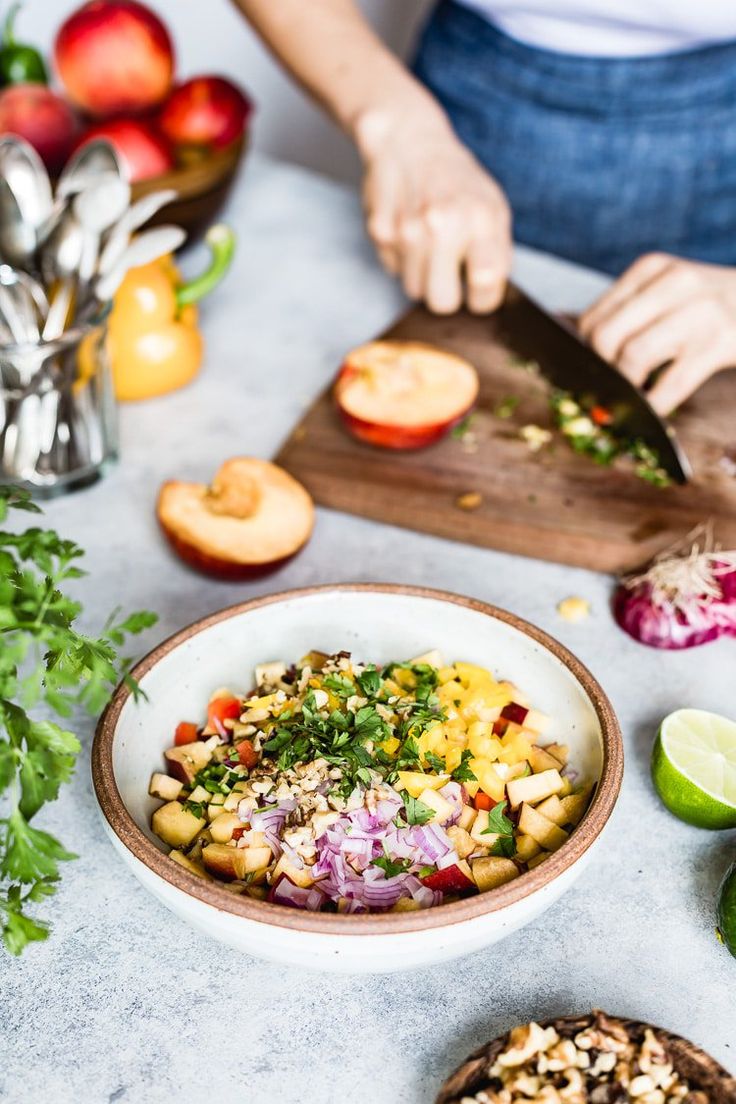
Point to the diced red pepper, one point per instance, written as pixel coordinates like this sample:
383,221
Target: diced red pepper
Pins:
449,880
223,709
247,753
238,832
515,714
186,733
601,416
483,801
499,727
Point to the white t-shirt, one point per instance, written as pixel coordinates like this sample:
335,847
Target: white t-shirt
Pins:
613,28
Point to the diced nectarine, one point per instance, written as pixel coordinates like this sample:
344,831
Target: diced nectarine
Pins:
165,787
176,825
186,761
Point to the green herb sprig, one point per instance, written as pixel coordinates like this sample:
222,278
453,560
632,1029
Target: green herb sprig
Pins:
45,663
500,825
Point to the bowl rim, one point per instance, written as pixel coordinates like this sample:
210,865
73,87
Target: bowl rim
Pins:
211,893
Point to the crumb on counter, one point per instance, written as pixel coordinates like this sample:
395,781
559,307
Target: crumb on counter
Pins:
573,609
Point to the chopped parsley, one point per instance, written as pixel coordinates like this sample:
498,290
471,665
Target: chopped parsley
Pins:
462,772
391,867
414,811
500,825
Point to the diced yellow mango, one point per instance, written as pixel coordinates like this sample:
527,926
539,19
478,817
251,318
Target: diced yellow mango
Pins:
415,783
483,745
446,674
488,779
515,750
390,745
533,824
526,848
453,759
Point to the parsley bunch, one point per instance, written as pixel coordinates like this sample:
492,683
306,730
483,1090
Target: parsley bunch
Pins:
44,662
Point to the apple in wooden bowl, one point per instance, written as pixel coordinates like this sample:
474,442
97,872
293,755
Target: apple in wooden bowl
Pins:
249,521
404,394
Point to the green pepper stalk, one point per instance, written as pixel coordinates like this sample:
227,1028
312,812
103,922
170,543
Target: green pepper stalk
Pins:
221,241
19,63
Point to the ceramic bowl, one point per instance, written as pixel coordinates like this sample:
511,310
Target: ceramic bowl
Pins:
697,1067
376,623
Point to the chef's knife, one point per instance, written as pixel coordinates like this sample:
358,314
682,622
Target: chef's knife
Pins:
573,366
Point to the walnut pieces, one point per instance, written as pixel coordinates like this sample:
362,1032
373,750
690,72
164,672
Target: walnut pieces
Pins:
600,1064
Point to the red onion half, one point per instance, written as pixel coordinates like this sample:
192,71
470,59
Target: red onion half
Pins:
687,597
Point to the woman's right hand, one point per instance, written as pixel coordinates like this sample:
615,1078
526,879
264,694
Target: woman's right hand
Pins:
437,218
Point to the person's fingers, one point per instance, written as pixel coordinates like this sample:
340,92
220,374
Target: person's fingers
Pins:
414,249
447,239
680,379
640,273
673,287
657,343
382,200
488,263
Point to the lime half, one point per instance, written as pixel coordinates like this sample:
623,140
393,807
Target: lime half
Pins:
727,910
694,767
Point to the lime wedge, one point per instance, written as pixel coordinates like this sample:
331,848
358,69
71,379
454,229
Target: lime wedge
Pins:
694,767
727,910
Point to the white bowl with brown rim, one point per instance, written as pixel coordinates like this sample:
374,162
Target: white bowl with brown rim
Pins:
377,623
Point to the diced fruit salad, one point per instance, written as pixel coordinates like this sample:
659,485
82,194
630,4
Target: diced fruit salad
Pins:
345,787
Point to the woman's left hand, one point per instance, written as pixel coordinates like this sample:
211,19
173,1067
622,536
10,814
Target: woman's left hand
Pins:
665,310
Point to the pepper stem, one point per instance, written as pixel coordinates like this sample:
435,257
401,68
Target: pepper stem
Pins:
9,25
221,241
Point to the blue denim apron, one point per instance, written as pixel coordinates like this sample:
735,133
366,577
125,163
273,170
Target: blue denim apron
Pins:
602,159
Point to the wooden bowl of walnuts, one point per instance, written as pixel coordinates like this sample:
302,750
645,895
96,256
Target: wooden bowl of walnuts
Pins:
597,1058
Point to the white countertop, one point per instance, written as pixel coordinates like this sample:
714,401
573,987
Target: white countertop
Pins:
126,1003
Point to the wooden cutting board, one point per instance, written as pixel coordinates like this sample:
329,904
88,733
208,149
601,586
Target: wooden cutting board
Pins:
553,504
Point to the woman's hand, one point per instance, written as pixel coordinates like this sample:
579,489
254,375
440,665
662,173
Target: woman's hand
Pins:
665,310
436,217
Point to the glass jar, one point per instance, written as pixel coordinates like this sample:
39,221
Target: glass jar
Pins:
58,419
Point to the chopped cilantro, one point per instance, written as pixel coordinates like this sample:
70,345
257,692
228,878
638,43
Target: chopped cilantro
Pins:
462,772
391,867
196,808
339,685
500,825
435,762
415,811
369,682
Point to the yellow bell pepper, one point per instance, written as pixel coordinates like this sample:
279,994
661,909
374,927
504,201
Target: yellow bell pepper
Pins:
154,344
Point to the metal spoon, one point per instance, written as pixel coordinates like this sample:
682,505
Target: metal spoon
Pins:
23,302
95,157
97,207
26,175
62,251
135,217
147,247
17,237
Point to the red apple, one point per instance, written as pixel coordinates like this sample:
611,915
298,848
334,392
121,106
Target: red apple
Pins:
251,520
205,111
114,57
144,153
403,394
37,114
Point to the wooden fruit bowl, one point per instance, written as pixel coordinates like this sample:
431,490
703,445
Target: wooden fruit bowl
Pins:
202,183
701,1071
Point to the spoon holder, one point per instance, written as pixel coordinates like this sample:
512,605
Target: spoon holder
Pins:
58,419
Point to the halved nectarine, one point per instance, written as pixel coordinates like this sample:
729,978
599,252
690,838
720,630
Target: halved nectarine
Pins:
251,519
403,394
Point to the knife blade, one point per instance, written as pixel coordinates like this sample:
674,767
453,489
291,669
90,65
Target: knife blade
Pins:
573,366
